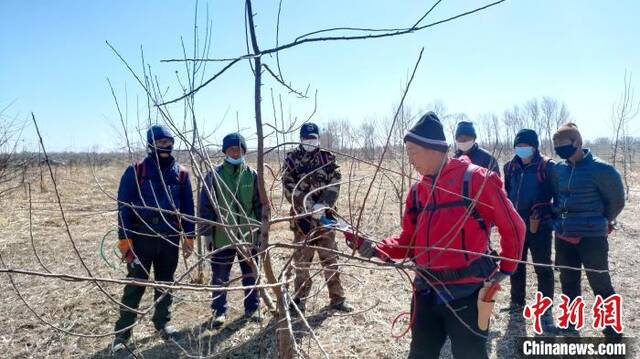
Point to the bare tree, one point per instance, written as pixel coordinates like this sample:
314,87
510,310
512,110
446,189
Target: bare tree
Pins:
402,182
13,167
554,114
533,117
367,136
330,138
625,110
490,135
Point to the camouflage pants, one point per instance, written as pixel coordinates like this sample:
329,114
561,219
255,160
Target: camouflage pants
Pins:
303,257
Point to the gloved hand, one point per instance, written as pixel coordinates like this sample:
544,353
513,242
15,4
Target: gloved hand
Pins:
353,241
126,250
187,247
317,212
367,249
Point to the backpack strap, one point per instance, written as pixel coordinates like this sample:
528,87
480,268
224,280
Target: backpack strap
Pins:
465,202
182,174
508,170
324,158
141,171
466,197
541,170
415,204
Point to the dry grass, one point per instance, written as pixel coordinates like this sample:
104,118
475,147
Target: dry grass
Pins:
379,295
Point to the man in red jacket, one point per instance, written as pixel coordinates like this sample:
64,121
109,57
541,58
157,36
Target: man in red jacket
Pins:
445,232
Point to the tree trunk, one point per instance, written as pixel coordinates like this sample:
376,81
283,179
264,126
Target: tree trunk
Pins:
285,343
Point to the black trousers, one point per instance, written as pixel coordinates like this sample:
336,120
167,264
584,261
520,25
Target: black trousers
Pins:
590,252
540,246
221,264
161,256
434,322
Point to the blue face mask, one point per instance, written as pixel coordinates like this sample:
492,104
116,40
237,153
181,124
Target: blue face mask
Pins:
524,152
235,161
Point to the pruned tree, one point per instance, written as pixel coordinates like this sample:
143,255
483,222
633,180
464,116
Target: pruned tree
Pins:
264,67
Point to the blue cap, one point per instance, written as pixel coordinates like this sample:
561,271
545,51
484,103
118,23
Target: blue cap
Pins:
157,132
466,128
309,130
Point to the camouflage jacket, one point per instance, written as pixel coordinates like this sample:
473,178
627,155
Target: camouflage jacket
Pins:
313,170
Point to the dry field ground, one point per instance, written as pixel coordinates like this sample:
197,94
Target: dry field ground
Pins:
379,295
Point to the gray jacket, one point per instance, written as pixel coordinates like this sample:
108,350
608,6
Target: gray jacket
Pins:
586,196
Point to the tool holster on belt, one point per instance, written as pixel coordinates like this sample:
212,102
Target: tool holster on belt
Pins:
486,303
486,299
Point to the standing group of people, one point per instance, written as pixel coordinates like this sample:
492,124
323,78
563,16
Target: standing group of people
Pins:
156,217
446,227
451,210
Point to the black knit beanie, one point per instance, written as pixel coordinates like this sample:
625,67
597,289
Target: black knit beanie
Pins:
527,136
234,139
428,133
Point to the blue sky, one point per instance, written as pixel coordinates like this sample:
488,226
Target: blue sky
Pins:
54,61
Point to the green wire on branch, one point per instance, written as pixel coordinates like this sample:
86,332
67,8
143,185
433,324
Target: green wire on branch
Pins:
102,255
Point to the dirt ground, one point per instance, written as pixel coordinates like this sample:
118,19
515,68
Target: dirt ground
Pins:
80,307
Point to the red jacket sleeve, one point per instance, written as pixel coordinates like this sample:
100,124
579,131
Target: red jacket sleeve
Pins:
400,247
499,211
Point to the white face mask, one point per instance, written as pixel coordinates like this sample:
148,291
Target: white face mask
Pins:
311,144
465,146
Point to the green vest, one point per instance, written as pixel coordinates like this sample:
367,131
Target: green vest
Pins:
234,186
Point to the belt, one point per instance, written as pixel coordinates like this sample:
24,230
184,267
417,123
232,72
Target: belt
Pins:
481,267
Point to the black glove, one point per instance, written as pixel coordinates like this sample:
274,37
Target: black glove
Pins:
367,249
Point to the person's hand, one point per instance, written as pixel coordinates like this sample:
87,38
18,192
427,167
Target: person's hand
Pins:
317,211
187,247
367,249
612,227
126,250
353,241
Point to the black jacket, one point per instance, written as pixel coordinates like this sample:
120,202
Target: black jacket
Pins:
529,186
480,157
586,196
